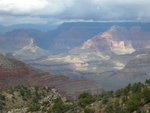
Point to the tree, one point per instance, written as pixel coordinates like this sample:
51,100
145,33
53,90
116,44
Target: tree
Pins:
85,99
134,102
119,92
114,107
2,97
88,110
59,106
136,87
33,107
146,95
147,81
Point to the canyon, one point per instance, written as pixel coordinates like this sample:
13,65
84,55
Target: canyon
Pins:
105,53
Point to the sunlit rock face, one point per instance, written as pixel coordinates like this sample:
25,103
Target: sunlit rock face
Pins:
87,44
101,52
135,35
95,50
122,47
30,52
20,45
110,41
106,35
104,52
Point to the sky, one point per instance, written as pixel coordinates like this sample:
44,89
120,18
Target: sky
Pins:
59,11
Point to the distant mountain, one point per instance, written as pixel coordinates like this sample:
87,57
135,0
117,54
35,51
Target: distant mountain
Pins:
21,45
8,44
42,27
97,51
118,56
13,73
104,58
136,70
119,40
70,35
109,50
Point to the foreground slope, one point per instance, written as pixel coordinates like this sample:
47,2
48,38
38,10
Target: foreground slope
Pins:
134,98
13,72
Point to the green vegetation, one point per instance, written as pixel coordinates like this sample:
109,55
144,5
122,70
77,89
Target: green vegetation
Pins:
59,106
134,98
33,107
2,101
88,110
147,81
85,99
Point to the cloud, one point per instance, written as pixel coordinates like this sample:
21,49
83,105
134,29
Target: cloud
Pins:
39,11
10,20
124,9
34,7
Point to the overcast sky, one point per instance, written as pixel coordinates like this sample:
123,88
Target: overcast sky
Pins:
57,11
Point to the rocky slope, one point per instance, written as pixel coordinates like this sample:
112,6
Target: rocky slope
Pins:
136,70
109,49
26,99
30,52
8,44
101,53
118,40
20,44
13,72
